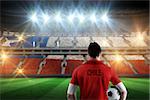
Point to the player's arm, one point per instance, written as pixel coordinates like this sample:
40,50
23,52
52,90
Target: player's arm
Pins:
71,92
72,86
117,82
123,90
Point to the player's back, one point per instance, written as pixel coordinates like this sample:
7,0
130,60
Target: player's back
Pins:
93,79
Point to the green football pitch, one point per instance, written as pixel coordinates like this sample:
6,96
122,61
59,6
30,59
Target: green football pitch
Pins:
55,88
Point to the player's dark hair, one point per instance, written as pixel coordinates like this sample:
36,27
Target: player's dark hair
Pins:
94,50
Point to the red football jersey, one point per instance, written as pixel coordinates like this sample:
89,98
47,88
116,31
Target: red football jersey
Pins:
93,78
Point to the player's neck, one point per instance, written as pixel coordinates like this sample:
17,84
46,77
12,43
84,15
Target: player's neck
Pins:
97,58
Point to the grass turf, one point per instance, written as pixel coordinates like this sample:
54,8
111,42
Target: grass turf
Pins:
55,88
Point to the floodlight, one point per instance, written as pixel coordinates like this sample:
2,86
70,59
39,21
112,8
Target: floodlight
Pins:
4,56
45,18
105,18
58,18
34,18
71,17
81,18
20,38
93,18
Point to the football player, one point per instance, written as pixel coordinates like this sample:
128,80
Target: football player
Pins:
93,78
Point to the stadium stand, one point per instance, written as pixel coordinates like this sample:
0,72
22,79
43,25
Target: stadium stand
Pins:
82,42
9,66
140,66
51,42
66,42
28,43
11,37
71,65
102,41
31,65
52,67
115,42
119,65
5,42
121,68
136,42
43,42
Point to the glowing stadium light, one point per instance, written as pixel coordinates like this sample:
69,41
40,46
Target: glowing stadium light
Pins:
93,18
118,58
105,18
4,56
20,38
34,18
19,71
140,37
58,18
45,18
81,18
71,17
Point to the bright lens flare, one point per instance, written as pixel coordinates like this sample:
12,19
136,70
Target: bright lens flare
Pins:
4,56
118,58
81,18
140,37
93,18
71,17
20,38
105,18
58,18
19,71
34,18
45,18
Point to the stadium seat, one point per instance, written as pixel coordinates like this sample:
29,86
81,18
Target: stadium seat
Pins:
121,42
136,42
121,68
51,67
71,65
43,42
9,66
140,66
102,41
66,42
11,37
51,42
29,41
82,42
31,65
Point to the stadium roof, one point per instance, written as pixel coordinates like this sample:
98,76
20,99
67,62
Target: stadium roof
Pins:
14,14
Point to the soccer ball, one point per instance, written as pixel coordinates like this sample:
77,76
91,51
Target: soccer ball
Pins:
113,93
